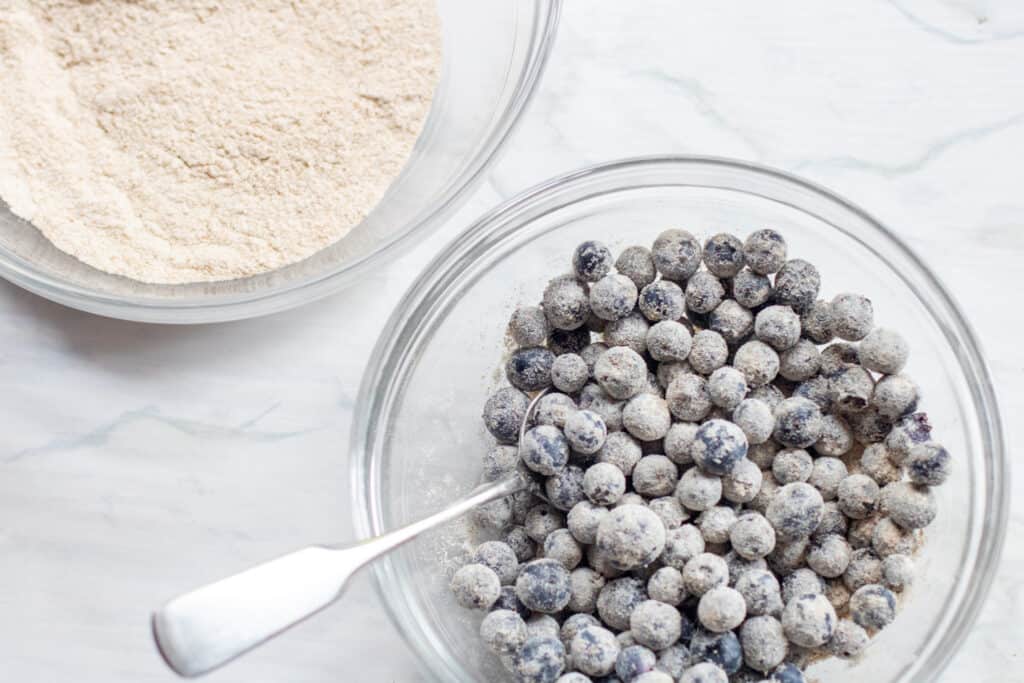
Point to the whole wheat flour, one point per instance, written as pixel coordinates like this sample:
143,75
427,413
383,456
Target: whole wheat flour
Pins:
177,141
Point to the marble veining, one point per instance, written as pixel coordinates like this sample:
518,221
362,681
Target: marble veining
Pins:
136,461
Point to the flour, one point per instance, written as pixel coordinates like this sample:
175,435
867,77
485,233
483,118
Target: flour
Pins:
176,141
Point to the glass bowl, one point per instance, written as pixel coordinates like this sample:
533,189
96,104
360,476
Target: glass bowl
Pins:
418,437
494,53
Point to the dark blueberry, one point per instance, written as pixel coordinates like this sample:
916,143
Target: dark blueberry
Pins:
565,489
535,481
530,369
704,292
687,621
795,511
541,659
545,449
676,254
508,600
633,661
721,649
769,393
731,320
787,673
797,285
566,302
916,427
723,255
765,251
797,422
543,586
851,389
718,446
662,300
637,264
750,289
592,261
568,341
697,321
837,357
816,389
504,413
688,609
928,464
873,607
869,426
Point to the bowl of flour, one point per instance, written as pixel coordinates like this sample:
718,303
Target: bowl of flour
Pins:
206,160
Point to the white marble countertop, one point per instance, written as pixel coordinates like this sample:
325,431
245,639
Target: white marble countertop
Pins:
136,460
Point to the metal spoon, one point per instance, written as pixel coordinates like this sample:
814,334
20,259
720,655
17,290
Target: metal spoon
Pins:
208,627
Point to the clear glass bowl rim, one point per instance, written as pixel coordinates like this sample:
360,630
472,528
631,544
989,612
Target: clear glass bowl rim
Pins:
403,327
252,304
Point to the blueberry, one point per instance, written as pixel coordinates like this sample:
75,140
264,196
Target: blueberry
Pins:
476,586
592,261
787,673
718,446
852,316
566,303
618,599
674,660
816,389
633,661
809,620
852,388
765,251
869,426
928,464
540,660
795,511
530,369
798,422
503,631
797,285
705,672
504,413
732,321
564,489
545,449
908,431
613,297
721,649
500,558
594,651
873,607
543,586
637,264
676,254
751,289
704,292
508,600
723,255
662,300
686,627
586,431
568,341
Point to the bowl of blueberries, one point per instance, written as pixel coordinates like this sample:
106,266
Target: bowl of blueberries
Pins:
757,439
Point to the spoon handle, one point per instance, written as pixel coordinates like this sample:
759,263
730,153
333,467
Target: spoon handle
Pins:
201,630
